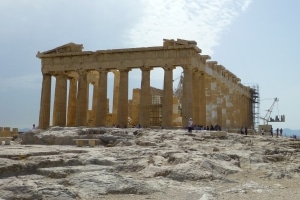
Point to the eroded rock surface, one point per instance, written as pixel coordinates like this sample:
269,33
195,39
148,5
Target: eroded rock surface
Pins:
147,164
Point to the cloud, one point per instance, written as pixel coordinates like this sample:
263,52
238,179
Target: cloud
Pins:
200,20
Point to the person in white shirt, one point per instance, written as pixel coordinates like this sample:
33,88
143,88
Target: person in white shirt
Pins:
190,125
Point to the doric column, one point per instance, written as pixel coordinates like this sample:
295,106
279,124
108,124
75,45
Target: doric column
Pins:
237,110
44,118
94,104
82,99
115,95
225,110
250,113
145,98
72,102
208,96
220,100
214,102
60,101
187,95
122,115
229,107
202,99
196,97
167,104
101,111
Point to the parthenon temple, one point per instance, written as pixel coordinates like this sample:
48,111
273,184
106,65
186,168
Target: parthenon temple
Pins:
209,93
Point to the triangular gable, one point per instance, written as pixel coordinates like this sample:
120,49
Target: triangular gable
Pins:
67,48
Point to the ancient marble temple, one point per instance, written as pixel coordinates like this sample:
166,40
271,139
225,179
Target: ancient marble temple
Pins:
210,94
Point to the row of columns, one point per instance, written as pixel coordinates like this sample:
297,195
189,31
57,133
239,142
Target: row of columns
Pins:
204,98
76,113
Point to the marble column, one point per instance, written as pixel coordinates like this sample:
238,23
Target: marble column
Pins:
115,95
196,97
202,99
187,95
214,101
220,100
72,102
122,115
145,98
101,111
94,103
167,104
60,101
230,107
208,95
225,113
44,118
82,99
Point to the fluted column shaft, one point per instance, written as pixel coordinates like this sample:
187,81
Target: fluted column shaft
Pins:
122,115
82,99
219,103
187,96
208,95
196,97
214,102
225,110
115,95
72,102
44,118
145,98
101,111
60,101
202,99
167,104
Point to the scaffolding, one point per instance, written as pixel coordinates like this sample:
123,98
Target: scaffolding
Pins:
255,106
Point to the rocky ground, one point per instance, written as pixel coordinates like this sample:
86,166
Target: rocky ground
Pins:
149,164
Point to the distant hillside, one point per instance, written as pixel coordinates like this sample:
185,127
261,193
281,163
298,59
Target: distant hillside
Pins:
290,132
24,129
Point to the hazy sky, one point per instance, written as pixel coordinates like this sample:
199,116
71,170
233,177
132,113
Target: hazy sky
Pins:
255,39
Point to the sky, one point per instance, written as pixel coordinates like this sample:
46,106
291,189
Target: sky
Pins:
257,40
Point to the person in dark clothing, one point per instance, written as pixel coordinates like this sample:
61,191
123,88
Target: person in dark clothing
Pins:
271,132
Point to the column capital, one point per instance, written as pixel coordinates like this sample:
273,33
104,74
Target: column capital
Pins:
167,67
59,74
146,68
203,58
211,64
190,68
82,72
124,70
102,70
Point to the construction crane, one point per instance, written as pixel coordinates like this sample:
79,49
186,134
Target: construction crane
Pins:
267,118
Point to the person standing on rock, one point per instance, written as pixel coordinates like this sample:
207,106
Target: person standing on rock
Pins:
190,125
271,131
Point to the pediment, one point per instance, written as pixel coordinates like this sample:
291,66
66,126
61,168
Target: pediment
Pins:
67,48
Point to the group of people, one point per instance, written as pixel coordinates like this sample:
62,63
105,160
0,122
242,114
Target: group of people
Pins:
278,132
191,126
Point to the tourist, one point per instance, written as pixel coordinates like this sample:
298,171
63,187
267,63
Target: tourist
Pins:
242,130
190,125
277,132
280,131
271,132
262,131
